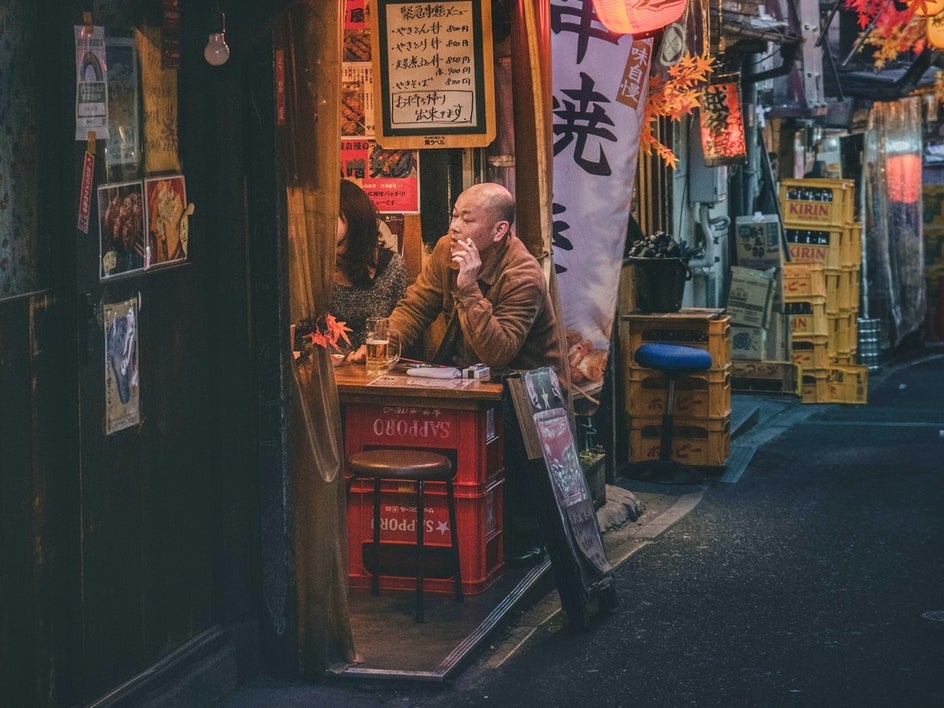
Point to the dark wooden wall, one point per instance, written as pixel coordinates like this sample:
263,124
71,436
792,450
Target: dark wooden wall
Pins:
120,552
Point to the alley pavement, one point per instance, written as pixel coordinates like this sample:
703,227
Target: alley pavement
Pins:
808,573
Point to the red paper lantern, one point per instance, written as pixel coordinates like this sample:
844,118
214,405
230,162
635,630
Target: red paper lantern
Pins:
903,178
935,31
638,17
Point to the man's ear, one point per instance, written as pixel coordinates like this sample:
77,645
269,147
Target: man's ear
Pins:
501,229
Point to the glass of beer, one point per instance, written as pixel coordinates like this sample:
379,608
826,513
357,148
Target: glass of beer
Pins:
383,346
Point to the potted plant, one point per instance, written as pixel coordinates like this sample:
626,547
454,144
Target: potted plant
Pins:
660,271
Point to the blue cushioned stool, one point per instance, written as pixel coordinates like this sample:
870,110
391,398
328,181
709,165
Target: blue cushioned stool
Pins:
673,360
417,466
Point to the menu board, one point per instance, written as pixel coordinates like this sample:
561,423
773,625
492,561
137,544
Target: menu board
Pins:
434,68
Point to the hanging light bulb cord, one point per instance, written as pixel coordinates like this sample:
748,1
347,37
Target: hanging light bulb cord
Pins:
216,52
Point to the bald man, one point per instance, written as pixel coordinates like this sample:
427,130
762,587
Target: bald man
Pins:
494,297
490,289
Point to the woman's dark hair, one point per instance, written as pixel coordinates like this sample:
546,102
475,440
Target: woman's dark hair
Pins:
360,254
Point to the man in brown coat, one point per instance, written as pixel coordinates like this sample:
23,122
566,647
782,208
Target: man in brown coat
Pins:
490,288
498,311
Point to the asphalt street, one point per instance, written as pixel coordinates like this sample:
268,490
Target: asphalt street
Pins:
817,579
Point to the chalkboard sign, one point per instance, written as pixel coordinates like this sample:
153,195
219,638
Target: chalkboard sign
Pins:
434,70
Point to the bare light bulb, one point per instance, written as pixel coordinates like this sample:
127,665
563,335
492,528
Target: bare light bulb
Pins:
216,51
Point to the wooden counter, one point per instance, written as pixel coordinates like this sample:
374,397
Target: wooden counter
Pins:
355,386
459,418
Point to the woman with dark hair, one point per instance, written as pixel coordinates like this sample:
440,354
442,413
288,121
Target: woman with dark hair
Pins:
369,278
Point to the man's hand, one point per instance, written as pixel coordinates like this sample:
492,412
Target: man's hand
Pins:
467,259
358,356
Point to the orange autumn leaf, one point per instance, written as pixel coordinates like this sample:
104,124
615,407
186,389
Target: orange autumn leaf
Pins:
673,99
336,330
328,331
691,70
893,31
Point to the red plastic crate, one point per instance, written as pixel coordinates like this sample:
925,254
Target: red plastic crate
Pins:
471,439
478,515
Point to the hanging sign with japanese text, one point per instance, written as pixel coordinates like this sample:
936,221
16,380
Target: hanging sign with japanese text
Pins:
722,122
433,63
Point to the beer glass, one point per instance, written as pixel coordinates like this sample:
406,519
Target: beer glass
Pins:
383,346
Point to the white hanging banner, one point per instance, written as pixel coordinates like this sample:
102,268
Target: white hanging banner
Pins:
600,83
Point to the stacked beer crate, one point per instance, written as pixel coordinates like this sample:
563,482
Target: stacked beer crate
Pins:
821,287
702,406
760,331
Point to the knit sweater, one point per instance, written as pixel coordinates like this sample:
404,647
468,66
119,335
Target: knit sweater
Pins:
353,305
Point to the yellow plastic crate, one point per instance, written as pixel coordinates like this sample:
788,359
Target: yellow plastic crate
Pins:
700,442
848,384
811,351
814,245
815,387
817,201
807,316
766,377
843,334
850,247
834,295
699,395
802,280
705,328
850,279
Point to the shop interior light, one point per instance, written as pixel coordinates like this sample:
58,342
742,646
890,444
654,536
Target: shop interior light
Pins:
216,51
638,17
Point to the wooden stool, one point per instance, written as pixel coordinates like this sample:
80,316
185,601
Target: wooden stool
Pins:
673,360
416,466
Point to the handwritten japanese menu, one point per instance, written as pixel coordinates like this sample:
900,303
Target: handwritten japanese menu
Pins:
434,60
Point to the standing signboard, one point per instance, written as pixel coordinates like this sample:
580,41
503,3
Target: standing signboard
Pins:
565,508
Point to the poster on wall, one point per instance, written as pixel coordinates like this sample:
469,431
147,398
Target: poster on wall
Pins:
122,242
91,82
122,148
165,201
600,81
390,177
159,101
122,393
